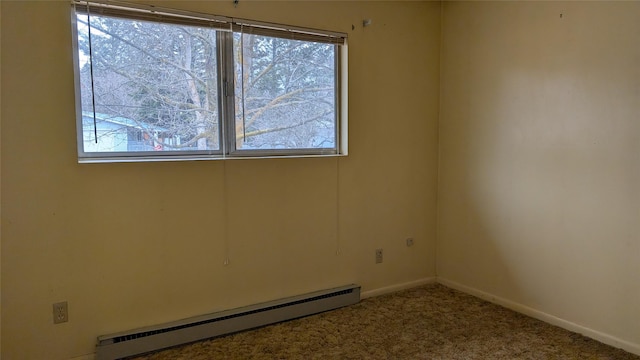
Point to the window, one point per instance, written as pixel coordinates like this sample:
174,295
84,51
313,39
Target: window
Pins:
164,84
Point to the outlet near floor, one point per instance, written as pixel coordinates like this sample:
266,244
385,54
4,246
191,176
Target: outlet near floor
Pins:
60,312
378,256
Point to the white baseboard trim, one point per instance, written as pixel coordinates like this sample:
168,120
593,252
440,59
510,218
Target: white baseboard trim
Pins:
548,318
91,356
397,287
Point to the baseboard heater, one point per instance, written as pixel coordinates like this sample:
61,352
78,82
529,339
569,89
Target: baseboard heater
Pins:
158,337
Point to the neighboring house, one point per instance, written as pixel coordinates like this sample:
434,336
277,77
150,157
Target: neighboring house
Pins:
119,134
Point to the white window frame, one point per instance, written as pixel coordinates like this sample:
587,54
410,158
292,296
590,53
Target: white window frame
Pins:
226,27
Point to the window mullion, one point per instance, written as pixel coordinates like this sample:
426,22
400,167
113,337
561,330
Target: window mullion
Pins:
227,88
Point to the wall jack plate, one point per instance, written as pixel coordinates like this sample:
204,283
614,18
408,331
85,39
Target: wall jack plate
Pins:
378,256
60,312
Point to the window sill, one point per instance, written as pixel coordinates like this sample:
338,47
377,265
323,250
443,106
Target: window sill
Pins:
133,159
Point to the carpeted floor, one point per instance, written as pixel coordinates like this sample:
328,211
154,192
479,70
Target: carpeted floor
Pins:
428,322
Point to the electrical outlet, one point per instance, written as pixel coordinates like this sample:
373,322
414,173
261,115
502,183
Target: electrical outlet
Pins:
60,312
409,241
378,256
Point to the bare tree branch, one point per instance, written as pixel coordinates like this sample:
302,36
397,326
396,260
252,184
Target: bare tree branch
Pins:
142,50
279,99
266,131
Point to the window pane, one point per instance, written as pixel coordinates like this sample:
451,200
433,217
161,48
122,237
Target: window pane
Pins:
285,93
154,86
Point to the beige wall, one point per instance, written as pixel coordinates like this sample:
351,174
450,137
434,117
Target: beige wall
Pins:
539,180
0,187
135,244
